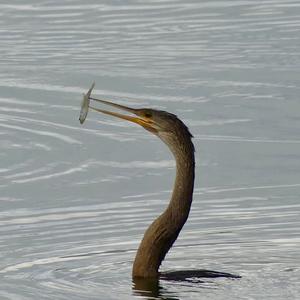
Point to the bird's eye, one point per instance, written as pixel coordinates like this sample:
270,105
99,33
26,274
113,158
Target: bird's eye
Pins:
148,114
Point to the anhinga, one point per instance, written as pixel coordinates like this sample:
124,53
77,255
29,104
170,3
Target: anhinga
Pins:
162,233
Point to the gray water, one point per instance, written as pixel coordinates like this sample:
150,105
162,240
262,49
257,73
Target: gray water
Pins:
75,200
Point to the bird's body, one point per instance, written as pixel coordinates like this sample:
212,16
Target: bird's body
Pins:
163,232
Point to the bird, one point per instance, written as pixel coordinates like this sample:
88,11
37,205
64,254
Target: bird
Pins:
164,230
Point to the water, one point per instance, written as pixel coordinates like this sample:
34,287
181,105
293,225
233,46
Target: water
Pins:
75,200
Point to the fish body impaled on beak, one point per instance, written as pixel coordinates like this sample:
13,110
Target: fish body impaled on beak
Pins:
85,104
138,116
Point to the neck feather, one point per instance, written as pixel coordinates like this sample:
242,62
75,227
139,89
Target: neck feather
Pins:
163,232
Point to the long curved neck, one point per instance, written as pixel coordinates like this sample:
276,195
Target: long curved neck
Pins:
163,232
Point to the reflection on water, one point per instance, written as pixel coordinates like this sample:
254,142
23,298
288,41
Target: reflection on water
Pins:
152,287
148,288
75,200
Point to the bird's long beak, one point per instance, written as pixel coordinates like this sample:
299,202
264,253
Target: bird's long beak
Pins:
145,122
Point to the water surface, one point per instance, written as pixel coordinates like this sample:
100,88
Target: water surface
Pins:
75,200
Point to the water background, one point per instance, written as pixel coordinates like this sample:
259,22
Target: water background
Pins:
75,200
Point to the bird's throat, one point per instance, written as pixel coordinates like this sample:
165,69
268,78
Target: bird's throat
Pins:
163,232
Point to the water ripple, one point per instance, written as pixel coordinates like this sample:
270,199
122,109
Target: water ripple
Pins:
58,136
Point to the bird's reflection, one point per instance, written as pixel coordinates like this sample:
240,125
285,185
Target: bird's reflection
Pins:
150,288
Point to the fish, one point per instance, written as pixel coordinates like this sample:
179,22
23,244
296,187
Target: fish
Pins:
85,104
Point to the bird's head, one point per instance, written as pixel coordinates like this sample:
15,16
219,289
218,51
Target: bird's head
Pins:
168,127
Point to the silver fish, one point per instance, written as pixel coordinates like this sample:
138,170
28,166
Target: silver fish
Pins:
85,104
